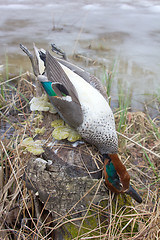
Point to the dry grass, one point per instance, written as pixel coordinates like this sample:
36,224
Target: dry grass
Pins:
22,217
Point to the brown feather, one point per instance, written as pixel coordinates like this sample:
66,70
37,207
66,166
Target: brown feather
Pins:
109,185
121,171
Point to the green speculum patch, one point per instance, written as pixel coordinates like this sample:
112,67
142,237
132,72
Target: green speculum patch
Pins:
48,88
113,177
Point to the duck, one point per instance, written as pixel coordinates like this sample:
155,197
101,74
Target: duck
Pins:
81,101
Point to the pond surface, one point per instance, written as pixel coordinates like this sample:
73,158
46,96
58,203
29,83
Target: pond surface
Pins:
125,33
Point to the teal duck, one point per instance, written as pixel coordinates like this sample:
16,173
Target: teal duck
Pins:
81,101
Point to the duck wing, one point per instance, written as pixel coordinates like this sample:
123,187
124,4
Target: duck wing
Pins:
55,73
66,100
91,79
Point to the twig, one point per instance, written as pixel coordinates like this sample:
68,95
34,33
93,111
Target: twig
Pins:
16,179
146,149
23,74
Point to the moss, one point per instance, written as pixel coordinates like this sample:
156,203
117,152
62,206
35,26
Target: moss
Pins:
60,132
64,131
42,104
89,224
34,147
122,205
56,123
71,231
90,221
40,130
73,136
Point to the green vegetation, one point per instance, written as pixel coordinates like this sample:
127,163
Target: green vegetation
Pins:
108,78
124,102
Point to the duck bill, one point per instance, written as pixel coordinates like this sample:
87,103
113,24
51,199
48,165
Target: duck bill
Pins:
134,194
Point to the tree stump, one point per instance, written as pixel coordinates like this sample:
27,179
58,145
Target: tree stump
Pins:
68,180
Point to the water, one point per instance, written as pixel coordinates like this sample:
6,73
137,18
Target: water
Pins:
127,32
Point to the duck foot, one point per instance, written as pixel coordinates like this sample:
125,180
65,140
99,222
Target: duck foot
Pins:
58,51
28,53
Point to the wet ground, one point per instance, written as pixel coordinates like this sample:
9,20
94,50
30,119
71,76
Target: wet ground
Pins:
109,31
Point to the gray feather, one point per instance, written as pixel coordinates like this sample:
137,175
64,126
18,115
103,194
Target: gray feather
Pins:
70,112
55,73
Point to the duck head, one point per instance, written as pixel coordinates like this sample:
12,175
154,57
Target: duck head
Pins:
117,178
